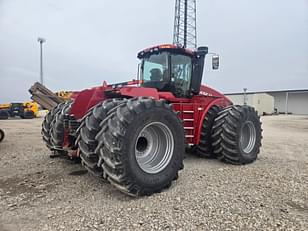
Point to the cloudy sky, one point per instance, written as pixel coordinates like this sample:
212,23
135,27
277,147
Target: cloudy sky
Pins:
263,44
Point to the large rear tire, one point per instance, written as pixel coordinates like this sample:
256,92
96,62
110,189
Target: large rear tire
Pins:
88,129
143,146
237,135
57,127
205,148
47,123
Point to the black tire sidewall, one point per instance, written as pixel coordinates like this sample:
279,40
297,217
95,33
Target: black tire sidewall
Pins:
4,115
252,117
1,135
206,133
169,119
28,115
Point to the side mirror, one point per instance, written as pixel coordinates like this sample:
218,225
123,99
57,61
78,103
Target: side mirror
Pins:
215,62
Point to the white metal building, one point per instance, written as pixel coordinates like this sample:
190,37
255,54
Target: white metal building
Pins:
286,101
291,101
262,102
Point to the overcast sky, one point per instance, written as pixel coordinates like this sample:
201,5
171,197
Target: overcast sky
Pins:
263,44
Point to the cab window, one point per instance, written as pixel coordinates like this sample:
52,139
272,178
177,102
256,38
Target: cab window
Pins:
181,69
155,67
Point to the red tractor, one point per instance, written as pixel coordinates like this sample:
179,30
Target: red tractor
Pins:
134,134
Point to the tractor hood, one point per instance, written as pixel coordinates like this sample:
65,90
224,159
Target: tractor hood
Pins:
208,91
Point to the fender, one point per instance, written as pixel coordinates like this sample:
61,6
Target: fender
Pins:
87,99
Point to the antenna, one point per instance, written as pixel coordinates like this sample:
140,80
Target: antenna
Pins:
185,31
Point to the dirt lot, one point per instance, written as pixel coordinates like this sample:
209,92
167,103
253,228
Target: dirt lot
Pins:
39,193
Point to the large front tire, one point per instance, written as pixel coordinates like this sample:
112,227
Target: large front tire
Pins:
237,135
143,146
88,129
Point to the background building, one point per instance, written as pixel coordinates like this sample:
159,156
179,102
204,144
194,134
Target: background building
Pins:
286,101
262,102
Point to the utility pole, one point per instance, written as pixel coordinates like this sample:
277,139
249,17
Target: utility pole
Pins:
245,96
286,106
41,41
185,25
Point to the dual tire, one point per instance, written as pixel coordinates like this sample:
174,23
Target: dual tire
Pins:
87,131
57,126
53,126
232,134
138,146
205,148
237,134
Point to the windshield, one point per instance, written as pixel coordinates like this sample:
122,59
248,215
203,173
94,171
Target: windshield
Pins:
181,69
167,72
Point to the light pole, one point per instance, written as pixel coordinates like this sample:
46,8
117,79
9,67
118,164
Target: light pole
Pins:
245,96
41,41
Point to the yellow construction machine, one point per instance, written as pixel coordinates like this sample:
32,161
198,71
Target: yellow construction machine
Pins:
25,110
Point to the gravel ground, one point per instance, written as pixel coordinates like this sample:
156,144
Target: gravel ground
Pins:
39,193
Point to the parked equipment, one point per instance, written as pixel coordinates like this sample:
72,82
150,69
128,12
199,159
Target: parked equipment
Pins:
27,110
134,134
47,99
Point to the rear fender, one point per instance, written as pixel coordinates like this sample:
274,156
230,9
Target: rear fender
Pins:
86,99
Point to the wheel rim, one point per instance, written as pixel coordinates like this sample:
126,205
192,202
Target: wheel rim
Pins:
154,147
248,137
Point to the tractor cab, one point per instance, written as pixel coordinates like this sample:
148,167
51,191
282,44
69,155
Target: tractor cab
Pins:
173,69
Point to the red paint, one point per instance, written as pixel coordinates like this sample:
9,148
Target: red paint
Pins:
87,99
198,104
139,91
191,110
74,95
168,46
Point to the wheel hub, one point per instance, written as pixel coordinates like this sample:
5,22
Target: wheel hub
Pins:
248,137
154,147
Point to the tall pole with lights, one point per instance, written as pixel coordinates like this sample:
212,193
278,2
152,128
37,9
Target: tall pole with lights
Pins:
41,41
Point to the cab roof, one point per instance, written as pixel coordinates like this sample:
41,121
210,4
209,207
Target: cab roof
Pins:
165,47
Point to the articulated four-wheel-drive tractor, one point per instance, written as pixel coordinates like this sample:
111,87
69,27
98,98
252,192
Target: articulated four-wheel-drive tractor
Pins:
134,134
